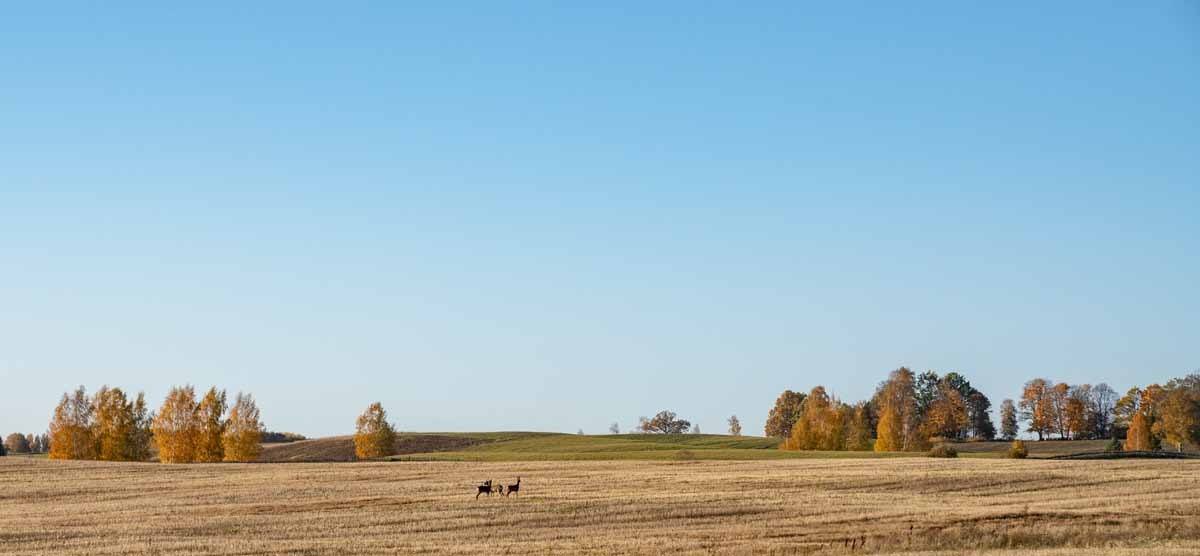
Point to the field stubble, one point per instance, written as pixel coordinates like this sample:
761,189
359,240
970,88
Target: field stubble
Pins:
791,506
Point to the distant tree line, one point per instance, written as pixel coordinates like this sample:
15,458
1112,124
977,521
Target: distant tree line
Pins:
911,412
109,426
17,443
272,437
907,413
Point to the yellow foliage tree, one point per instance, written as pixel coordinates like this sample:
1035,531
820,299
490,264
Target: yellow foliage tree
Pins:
889,434
1177,418
898,428
177,426
71,434
210,417
243,431
1138,436
374,436
114,424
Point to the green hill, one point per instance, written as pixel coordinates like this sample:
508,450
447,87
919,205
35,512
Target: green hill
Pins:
541,446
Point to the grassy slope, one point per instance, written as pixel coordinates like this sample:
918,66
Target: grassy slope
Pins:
535,446
557,447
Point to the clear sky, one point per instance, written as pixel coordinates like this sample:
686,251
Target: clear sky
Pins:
550,216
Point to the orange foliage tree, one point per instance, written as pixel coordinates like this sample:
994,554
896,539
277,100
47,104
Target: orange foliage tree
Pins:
1138,436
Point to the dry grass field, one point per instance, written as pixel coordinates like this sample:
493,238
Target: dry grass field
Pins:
910,505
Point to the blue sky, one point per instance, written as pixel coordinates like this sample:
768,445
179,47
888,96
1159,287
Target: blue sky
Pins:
546,216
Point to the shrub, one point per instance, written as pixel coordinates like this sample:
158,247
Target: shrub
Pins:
1018,450
943,451
1113,445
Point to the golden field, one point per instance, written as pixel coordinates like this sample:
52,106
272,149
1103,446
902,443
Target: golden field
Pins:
909,505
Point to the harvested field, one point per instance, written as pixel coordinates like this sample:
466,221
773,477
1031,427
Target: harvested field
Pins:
911,505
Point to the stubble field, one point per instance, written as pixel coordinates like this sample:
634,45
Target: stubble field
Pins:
913,505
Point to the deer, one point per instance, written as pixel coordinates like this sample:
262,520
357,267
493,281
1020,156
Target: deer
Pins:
514,488
485,488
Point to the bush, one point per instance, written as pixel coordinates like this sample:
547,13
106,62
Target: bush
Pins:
943,451
1113,445
1018,450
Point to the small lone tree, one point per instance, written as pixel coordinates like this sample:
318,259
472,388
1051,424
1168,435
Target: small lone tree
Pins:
374,437
665,423
614,429
735,426
696,428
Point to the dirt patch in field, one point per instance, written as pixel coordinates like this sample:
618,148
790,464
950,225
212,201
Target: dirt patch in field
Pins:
341,448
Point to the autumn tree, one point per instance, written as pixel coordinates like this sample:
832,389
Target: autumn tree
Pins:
1075,412
735,426
1138,436
1058,408
1008,420
946,414
71,435
821,425
898,421
374,436
1037,407
1179,417
781,418
114,426
177,426
34,442
243,430
210,415
17,443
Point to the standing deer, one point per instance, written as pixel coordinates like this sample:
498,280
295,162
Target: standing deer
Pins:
514,488
485,488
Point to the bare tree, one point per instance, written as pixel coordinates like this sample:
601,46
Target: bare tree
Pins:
735,426
614,429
